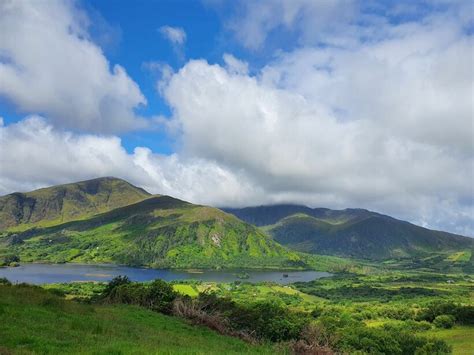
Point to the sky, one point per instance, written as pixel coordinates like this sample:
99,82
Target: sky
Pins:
338,104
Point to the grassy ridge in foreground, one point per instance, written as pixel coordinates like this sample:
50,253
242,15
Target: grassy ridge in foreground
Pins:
36,321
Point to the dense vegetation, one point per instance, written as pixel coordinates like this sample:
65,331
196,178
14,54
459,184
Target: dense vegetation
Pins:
350,233
159,232
382,311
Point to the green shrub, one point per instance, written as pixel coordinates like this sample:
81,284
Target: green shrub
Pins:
157,296
434,347
270,321
115,282
5,281
444,321
388,341
160,296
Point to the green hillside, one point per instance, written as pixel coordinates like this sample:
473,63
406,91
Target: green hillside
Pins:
63,203
159,232
350,233
35,321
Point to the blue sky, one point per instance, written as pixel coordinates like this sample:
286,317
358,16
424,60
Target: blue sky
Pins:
232,103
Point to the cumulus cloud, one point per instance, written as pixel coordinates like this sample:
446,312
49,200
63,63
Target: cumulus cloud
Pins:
383,124
50,65
26,149
381,118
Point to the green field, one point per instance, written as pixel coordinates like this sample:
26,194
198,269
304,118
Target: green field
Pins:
460,338
35,321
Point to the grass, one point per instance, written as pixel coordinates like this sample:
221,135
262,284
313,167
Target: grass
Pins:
36,321
460,338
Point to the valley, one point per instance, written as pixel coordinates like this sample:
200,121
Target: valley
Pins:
269,279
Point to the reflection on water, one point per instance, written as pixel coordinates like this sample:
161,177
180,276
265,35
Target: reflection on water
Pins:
55,273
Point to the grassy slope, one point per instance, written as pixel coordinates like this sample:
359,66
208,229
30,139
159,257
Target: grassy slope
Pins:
62,203
158,232
459,337
35,321
373,237
350,233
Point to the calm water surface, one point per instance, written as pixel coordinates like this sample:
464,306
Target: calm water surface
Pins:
55,273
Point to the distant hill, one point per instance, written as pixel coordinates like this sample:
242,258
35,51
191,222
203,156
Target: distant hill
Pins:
350,232
158,231
63,203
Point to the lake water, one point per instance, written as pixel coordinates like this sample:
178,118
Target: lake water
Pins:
56,273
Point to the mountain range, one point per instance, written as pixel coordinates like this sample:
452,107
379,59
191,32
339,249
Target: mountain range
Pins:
355,233
108,220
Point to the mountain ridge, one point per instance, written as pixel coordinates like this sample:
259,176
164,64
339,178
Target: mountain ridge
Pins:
351,233
159,231
66,202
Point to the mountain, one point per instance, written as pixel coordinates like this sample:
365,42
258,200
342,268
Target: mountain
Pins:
63,203
350,233
158,231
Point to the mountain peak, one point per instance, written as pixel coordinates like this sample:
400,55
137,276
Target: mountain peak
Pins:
67,202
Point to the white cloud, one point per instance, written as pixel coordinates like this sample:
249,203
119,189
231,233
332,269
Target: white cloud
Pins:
235,65
384,124
49,65
311,20
27,148
175,35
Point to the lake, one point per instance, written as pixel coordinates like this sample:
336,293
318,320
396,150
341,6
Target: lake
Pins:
56,273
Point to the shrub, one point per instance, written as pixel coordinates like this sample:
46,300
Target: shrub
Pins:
465,314
115,282
5,281
157,296
9,259
160,296
269,320
434,347
388,341
444,321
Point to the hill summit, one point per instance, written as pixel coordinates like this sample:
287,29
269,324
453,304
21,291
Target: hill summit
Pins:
108,220
63,203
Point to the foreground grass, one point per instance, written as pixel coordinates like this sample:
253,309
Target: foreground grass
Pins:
35,321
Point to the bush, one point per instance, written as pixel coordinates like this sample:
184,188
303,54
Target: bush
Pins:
9,259
465,315
160,296
5,281
270,321
115,282
434,347
444,321
262,320
157,296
